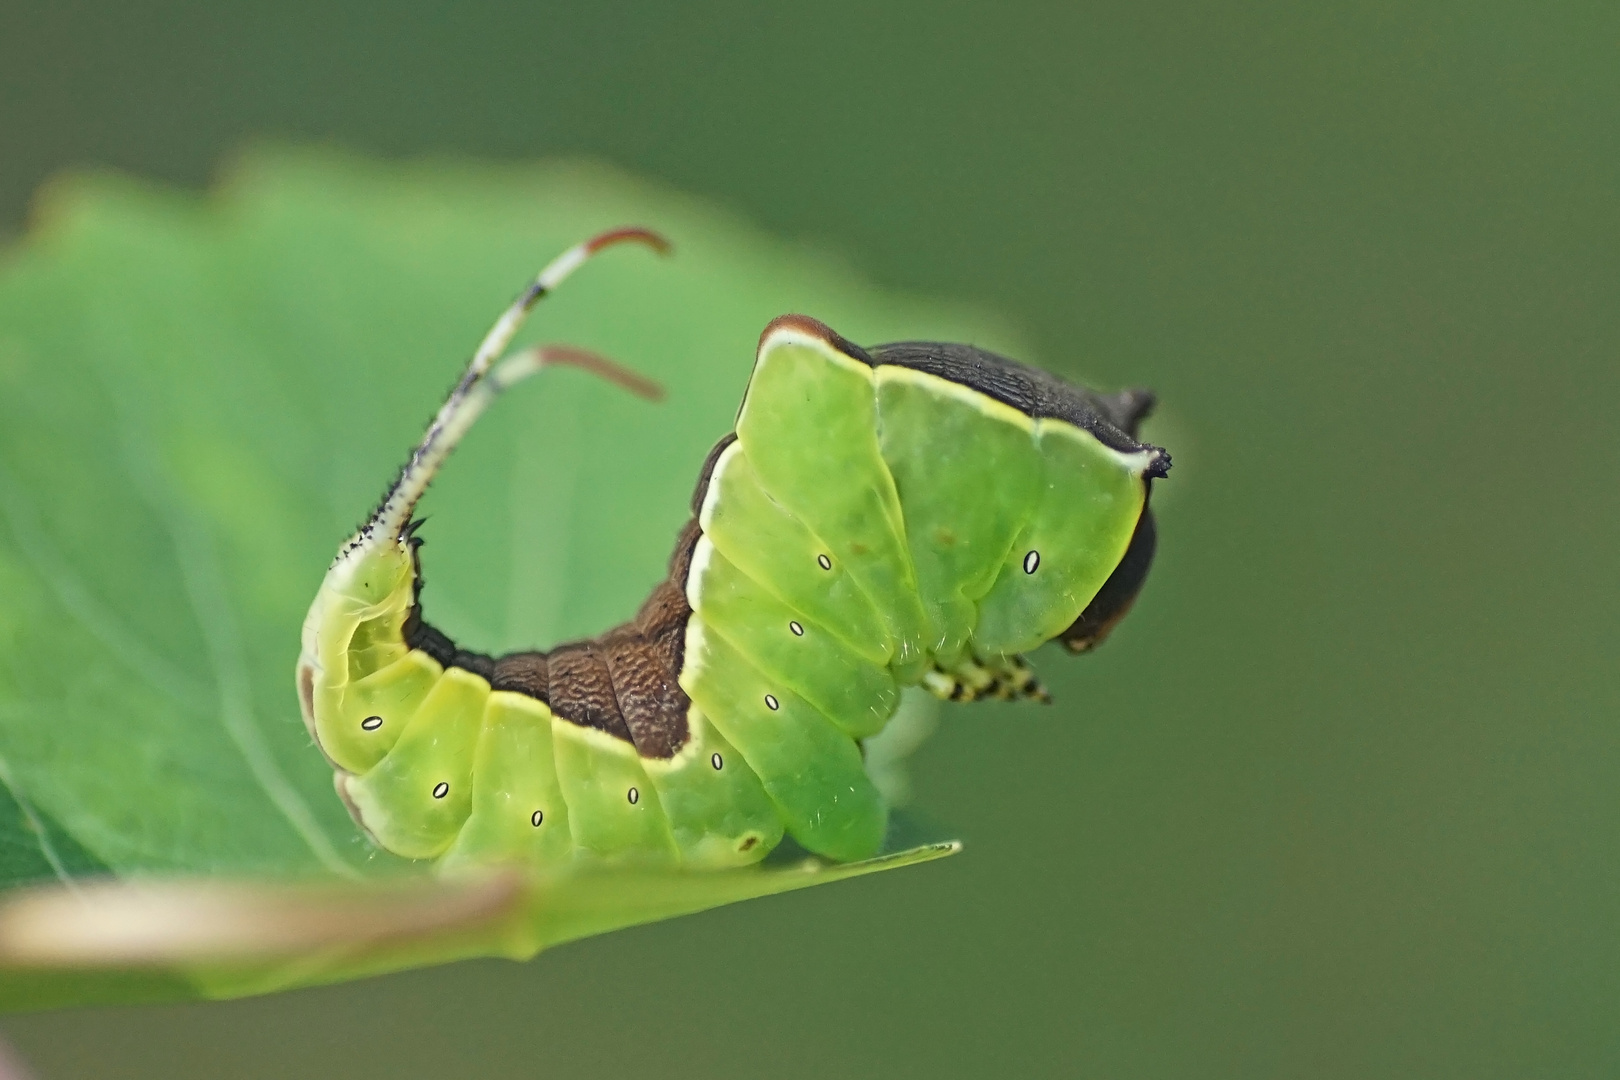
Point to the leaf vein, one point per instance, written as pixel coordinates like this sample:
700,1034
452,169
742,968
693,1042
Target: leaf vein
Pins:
78,601
41,836
210,606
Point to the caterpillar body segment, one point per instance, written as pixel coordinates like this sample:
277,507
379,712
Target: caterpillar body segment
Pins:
958,505
916,515
789,646
718,810
805,393
812,772
517,808
772,547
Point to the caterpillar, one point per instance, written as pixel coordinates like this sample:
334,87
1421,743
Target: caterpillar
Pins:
911,515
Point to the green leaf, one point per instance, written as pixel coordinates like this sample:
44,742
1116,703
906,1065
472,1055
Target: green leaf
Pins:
199,399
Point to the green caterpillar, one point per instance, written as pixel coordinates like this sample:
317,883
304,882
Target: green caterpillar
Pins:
913,514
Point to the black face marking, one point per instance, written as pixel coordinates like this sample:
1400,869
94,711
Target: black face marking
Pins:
537,817
826,563
441,789
634,796
798,631
716,761
1031,561
771,703
371,723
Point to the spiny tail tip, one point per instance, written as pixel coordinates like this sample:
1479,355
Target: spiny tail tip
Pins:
629,234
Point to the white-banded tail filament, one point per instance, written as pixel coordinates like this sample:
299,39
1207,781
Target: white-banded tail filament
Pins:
474,392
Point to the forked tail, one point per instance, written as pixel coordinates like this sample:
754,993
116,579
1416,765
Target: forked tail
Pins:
484,380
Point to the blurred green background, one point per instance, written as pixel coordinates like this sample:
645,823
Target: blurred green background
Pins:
1338,800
